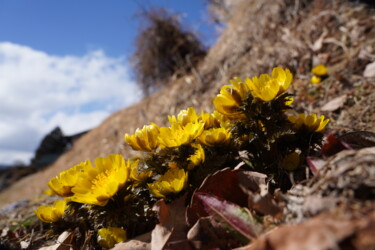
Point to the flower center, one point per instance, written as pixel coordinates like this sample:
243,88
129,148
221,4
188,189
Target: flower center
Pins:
101,179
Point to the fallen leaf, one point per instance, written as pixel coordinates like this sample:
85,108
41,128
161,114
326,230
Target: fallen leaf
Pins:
233,184
319,42
369,70
332,146
171,225
239,218
326,231
335,104
358,139
140,242
63,242
314,204
205,235
264,204
24,244
132,244
315,164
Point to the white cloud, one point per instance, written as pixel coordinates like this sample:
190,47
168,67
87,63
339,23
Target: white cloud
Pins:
39,92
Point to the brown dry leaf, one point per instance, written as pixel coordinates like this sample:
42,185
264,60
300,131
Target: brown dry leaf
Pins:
334,104
63,242
133,244
315,204
205,235
138,243
318,44
252,181
369,70
358,139
171,225
326,231
264,204
315,164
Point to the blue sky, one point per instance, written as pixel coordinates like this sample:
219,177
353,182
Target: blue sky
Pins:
75,27
65,63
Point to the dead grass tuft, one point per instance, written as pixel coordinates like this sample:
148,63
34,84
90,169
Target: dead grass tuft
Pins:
163,49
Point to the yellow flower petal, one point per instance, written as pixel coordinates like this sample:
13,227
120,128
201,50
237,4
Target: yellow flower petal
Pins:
62,184
230,98
268,87
310,122
98,184
184,117
320,70
197,158
178,135
215,137
145,139
315,79
52,213
110,236
172,182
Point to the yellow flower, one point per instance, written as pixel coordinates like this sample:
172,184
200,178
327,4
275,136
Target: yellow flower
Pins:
145,139
172,182
268,87
184,117
222,120
320,70
63,183
110,236
283,78
209,120
230,98
310,122
98,184
291,161
289,101
315,79
49,192
178,135
136,174
51,213
197,158
215,137
173,164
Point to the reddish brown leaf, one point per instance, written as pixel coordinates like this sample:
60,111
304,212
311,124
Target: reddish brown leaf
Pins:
333,145
227,184
239,218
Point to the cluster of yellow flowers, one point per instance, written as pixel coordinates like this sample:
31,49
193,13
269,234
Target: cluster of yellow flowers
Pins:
173,154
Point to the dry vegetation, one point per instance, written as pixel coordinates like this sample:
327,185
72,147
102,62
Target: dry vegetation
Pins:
163,50
332,210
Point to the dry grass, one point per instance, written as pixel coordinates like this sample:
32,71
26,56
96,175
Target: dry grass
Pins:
163,49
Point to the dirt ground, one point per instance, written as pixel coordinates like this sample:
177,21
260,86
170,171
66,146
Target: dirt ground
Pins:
258,36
